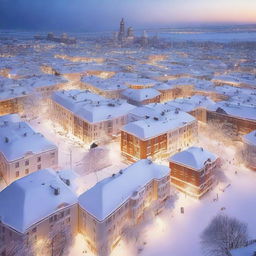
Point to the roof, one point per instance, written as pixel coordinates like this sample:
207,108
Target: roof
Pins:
107,195
111,84
91,107
17,139
248,250
235,109
30,199
191,103
250,138
193,157
154,126
140,94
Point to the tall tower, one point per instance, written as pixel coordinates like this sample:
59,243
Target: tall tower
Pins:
144,38
121,33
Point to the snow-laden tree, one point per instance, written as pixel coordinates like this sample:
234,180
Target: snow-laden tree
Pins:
56,244
223,234
96,159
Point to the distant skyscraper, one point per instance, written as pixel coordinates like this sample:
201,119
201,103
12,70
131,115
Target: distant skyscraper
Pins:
130,32
144,38
121,34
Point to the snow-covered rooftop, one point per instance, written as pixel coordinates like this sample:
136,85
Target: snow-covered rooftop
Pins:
18,139
140,94
154,126
250,138
32,198
110,84
235,109
92,107
193,157
107,195
191,103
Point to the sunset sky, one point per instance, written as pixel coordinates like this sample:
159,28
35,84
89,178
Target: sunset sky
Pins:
97,15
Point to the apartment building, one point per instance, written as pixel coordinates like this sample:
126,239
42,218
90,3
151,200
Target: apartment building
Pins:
89,116
140,97
196,106
118,202
234,118
38,215
23,150
158,134
110,88
249,149
193,171
13,97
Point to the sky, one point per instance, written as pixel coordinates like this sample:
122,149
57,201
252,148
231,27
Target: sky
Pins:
100,15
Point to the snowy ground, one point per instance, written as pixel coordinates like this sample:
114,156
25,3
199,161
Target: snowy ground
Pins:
72,152
173,233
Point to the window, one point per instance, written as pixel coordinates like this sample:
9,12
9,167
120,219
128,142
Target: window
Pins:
17,165
17,174
34,229
39,167
39,159
27,162
53,154
27,171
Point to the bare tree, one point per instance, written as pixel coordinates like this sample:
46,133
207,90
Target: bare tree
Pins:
223,234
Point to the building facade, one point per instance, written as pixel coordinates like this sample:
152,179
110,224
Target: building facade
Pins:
249,149
49,227
158,136
110,207
235,119
22,150
88,116
193,171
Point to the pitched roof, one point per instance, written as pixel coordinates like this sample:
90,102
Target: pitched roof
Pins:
107,195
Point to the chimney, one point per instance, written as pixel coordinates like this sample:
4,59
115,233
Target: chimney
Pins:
55,189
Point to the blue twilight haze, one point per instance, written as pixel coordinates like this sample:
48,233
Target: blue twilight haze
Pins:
98,15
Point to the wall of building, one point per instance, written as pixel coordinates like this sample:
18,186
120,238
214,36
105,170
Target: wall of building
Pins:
19,168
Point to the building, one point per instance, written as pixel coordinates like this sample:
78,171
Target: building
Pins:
118,202
233,118
89,116
125,37
139,97
193,171
109,88
13,97
168,92
196,106
249,149
38,214
22,150
158,135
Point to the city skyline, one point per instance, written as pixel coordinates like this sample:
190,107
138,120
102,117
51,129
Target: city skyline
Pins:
103,15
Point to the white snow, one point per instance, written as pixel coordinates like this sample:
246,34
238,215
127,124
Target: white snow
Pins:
140,95
250,138
92,107
17,139
107,195
248,250
31,199
148,128
193,157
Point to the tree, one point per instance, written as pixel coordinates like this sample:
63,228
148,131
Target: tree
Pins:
223,234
